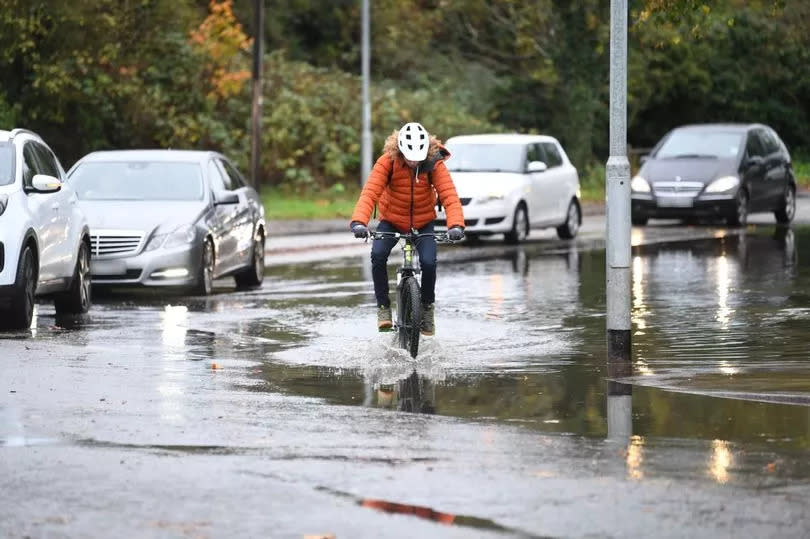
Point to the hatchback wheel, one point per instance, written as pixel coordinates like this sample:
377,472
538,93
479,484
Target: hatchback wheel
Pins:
569,229
787,211
77,299
21,308
740,215
520,226
253,276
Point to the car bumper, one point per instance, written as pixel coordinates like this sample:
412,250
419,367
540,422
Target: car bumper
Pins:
492,218
681,207
177,266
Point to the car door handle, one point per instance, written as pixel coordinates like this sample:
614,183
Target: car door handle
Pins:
54,206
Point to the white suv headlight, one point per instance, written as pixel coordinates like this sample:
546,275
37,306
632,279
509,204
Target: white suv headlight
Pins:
639,185
724,184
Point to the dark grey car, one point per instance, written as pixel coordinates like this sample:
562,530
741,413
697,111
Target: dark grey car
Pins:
170,218
721,171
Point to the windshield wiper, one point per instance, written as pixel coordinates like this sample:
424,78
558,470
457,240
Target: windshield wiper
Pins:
693,156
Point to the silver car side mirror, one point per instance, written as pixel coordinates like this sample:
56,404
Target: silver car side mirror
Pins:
225,197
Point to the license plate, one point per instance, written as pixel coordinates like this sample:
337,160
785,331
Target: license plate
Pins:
676,202
108,267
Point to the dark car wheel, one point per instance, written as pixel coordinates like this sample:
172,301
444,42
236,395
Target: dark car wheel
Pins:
205,273
253,276
569,229
787,211
21,307
740,215
77,299
520,226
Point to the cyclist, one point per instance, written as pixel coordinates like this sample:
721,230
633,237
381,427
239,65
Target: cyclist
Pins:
405,181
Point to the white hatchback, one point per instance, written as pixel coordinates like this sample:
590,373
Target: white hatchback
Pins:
510,183
44,237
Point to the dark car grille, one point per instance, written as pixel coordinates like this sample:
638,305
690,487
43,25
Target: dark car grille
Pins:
677,188
129,275
467,222
111,243
465,201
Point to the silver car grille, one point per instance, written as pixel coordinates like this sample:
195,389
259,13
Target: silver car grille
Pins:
677,189
110,243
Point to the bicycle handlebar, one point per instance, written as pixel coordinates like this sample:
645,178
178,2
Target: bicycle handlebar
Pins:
441,237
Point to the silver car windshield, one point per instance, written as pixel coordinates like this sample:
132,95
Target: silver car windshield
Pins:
138,180
696,144
486,157
6,164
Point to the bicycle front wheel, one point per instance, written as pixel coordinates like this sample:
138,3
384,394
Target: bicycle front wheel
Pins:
410,315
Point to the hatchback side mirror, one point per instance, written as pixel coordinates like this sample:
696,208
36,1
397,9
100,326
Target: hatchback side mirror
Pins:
225,197
754,160
537,166
43,183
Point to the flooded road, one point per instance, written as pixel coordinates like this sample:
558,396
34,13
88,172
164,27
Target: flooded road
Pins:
281,412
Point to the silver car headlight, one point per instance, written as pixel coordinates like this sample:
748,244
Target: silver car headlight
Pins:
181,235
639,185
723,185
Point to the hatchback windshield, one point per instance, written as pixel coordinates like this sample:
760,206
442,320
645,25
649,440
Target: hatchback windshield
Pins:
686,144
466,157
138,180
6,163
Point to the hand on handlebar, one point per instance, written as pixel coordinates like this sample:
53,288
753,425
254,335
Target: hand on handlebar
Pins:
455,233
359,230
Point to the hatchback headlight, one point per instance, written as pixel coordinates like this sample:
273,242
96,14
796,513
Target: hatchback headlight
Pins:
491,197
639,185
181,235
724,184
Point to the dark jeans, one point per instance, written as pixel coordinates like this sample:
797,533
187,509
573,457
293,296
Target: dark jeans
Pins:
380,249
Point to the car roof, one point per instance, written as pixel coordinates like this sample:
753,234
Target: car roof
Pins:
733,127
500,138
190,156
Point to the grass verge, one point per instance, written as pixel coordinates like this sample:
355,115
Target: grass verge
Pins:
330,204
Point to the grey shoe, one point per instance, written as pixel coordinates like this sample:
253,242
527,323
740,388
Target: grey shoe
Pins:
384,318
428,323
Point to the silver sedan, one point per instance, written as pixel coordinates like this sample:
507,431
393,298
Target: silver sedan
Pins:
170,218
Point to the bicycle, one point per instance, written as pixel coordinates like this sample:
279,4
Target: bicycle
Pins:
409,295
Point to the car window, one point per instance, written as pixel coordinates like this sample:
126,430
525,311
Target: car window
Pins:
6,163
534,152
46,160
226,179
138,180
753,146
479,157
689,143
552,154
236,179
30,165
215,177
769,141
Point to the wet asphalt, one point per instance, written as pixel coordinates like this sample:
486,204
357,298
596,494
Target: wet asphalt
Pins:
280,412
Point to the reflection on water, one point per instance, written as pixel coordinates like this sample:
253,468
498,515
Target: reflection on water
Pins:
721,461
523,341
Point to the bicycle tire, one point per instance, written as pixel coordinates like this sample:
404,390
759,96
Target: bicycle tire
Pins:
410,315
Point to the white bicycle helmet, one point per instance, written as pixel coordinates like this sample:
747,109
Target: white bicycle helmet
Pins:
413,141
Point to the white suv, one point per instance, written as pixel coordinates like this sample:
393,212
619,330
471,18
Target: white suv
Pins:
44,237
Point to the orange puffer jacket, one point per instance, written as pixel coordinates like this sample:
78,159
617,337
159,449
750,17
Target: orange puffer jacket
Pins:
395,198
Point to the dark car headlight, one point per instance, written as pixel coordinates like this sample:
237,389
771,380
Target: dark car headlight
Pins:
723,185
639,185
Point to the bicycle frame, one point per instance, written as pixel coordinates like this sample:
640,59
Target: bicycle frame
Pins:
409,297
